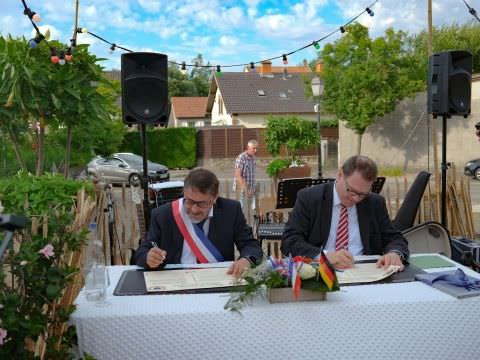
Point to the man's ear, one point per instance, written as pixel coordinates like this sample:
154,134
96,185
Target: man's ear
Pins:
339,174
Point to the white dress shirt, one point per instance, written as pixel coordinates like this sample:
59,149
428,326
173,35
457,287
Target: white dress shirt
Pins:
188,257
354,241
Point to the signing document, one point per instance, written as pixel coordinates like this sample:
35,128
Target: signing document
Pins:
191,279
365,273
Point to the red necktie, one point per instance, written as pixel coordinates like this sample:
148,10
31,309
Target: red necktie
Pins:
342,231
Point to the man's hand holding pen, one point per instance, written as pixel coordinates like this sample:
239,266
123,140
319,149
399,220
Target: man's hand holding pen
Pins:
155,256
341,259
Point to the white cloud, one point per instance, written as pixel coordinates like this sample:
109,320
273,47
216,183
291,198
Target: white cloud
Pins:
55,34
150,5
228,41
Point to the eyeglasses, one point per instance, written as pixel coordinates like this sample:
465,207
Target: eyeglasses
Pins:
353,192
201,204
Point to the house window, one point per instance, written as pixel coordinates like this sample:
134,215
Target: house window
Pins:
261,93
220,105
207,123
191,124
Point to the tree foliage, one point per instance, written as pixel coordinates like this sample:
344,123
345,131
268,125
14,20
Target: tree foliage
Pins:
42,104
365,78
194,83
448,37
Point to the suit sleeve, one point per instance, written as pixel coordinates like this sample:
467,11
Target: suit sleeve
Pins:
297,229
154,234
246,244
392,238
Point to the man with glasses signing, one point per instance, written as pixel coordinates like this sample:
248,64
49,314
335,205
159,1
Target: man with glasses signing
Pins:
201,227
345,219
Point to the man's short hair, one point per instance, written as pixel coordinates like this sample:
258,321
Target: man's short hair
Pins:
202,180
253,142
363,164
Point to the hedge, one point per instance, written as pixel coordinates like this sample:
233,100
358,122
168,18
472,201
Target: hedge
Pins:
174,147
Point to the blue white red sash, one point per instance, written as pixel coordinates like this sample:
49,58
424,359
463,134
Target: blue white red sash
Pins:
201,246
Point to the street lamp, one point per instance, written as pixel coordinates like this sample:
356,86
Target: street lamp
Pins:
317,89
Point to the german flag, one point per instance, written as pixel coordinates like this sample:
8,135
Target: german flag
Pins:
326,270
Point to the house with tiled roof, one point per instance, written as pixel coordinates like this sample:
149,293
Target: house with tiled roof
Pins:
188,112
246,98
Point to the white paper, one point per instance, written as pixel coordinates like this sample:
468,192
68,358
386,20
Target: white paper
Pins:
365,273
180,280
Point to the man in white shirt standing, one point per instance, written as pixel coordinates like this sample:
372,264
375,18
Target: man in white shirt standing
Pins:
245,174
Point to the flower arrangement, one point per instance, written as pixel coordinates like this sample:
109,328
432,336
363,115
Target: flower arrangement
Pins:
296,272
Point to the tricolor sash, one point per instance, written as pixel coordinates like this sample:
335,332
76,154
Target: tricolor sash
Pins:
201,246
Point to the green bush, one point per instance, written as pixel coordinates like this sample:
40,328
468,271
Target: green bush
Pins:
174,147
37,266
40,193
277,165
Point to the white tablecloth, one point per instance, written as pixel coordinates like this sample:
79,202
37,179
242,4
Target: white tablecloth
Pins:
381,321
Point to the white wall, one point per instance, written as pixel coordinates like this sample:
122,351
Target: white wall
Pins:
400,139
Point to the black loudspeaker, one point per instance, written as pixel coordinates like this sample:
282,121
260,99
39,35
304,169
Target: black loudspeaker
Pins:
449,83
145,88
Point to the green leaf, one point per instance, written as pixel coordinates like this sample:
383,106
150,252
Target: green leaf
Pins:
53,291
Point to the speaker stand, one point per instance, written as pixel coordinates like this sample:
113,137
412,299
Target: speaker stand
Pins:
146,202
445,167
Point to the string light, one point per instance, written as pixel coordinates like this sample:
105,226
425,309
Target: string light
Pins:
61,58
68,54
35,41
184,69
472,11
54,57
32,15
219,70
314,43
112,48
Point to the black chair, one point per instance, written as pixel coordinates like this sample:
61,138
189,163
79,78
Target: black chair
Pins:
405,217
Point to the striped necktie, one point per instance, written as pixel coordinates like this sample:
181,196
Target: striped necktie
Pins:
342,231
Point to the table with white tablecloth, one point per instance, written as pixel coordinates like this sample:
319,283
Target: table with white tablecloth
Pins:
379,321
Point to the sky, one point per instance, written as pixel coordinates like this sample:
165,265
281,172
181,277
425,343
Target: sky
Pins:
224,32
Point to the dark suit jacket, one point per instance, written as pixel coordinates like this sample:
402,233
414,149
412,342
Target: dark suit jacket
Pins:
227,227
309,222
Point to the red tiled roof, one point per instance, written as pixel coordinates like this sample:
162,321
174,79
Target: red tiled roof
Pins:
189,107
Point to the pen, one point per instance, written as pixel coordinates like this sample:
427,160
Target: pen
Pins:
155,245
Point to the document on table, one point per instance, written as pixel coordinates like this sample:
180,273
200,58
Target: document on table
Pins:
191,279
365,273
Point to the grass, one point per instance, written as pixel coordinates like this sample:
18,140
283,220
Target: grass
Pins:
390,171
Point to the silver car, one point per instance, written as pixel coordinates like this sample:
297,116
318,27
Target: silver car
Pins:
125,168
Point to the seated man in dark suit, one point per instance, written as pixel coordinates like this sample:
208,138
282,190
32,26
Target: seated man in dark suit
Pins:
200,227
345,219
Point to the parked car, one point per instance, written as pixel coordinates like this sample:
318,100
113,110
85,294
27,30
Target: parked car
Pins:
125,168
472,168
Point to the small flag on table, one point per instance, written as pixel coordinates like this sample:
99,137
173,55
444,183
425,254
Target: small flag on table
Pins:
326,270
296,280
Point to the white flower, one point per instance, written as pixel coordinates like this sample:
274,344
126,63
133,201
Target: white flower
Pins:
23,262
307,271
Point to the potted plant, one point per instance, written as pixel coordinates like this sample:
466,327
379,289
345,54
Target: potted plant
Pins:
292,134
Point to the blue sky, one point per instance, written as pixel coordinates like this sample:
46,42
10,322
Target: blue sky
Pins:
224,32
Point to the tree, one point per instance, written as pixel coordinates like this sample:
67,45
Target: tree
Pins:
365,78
193,83
448,37
36,94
